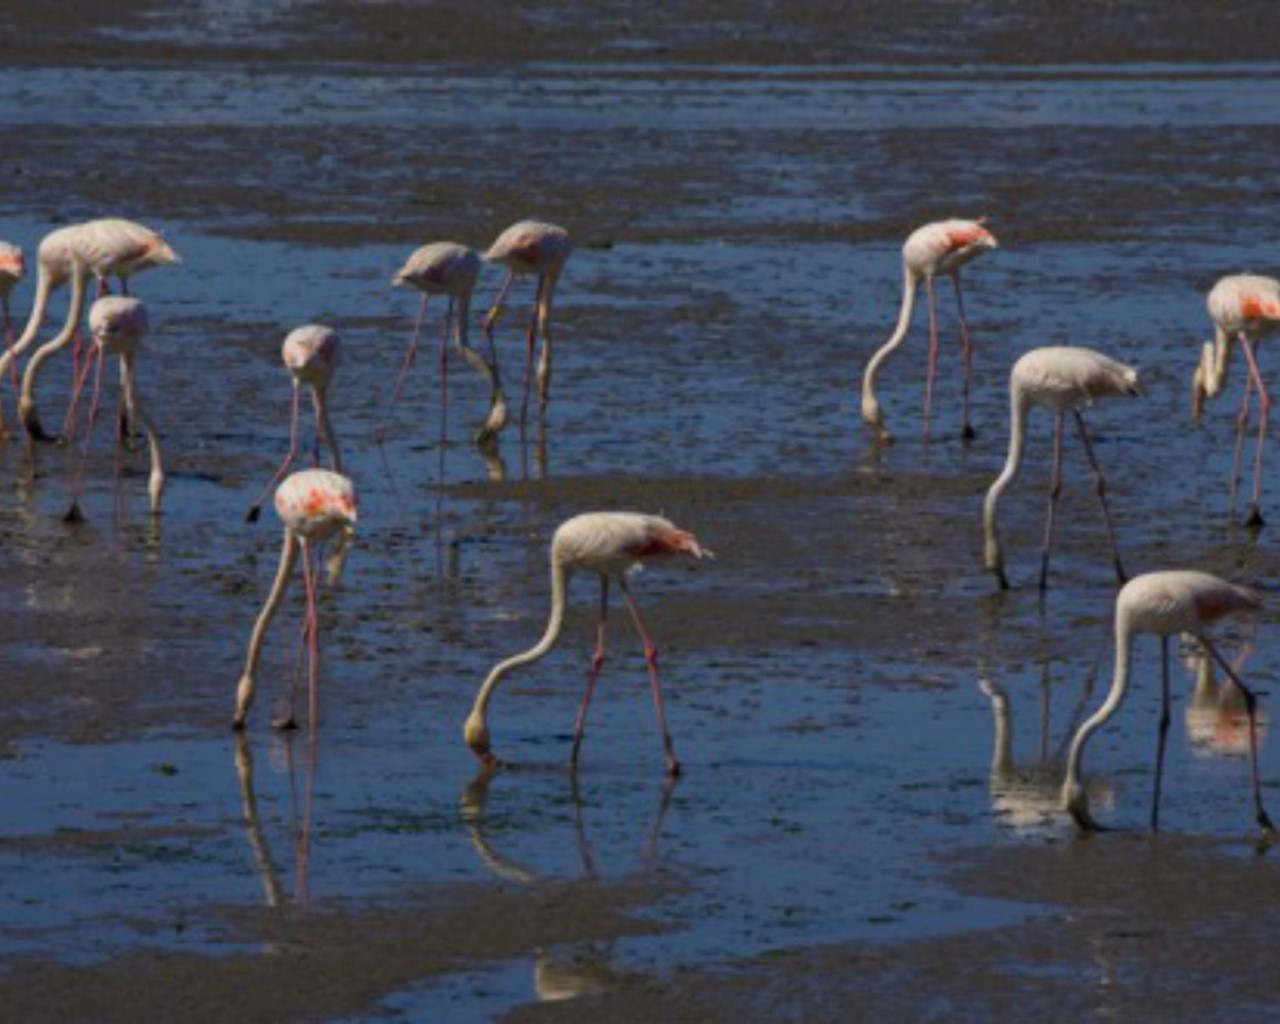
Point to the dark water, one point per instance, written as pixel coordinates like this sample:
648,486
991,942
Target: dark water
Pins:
829,677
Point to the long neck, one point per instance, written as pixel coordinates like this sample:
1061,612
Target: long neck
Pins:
1223,344
288,556
138,411
75,312
1019,404
1119,685
1002,753
325,426
910,280
44,288
559,582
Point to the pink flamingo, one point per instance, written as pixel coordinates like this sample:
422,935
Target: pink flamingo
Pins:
118,324
314,505
1064,379
100,248
446,268
609,544
528,247
935,250
311,354
1244,308
1165,603
12,269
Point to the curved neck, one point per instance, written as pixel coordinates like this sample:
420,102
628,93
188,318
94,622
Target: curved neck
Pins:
910,282
288,556
75,312
325,426
1223,343
1019,405
1119,684
559,583
44,288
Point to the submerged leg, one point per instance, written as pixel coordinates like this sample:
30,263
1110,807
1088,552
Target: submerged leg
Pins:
1100,488
1055,489
310,570
530,342
966,431
651,659
1242,424
1164,731
412,353
1264,408
593,671
1251,707
931,367
73,514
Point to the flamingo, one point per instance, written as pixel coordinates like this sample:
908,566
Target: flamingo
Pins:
611,545
936,250
1064,379
100,248
118,324
446,268
529,247
12,269
1165,603
314,505
311,354
1244,308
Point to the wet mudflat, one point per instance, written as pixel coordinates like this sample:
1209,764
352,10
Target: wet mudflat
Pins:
867,820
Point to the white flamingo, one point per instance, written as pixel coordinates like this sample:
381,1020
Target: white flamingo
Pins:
609,544
936,250
529,247
311,354
314,505
98,248
1165,603
1063,379
1243,308
118,324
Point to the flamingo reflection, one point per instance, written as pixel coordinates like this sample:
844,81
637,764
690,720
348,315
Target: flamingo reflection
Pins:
299,823
583,968
1217,712
1026,793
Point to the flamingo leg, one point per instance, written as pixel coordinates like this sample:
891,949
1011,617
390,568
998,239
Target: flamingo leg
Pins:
9,357
651,660
255,509
530,341
444,377
310,570
289,721
73,513
1242,424
1264,409
412,352
931,367
1055,489
593,671
1251,707
966,431
79,378
1100,488
1164,732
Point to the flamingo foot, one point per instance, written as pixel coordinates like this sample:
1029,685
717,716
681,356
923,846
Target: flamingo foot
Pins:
1001,578
968,433
673,769
287,724
252,515
73,514
1255,520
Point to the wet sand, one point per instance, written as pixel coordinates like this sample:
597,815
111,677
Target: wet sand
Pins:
738,247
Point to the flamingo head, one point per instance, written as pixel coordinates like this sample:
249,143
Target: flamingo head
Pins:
1075,801
476,733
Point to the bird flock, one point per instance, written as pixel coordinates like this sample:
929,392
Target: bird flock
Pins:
320,506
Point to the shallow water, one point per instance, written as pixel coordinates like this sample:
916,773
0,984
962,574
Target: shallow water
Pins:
824,675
